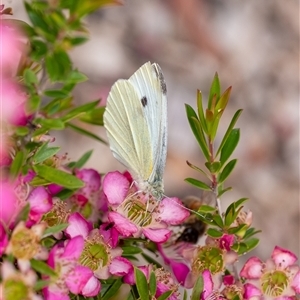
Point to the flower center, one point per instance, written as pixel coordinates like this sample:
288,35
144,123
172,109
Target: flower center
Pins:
15,289
208,258
137,212
274,283
95,254
25,244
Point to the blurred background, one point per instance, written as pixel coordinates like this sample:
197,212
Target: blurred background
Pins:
254,46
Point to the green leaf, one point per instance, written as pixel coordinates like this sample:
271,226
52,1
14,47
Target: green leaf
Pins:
17,164
56,93
199,170
141,284
218,220
94,117
223,191
29,77
59,177
55,124
112,290
222,103
198,288
40,284
197,183
130,250
65,194
230,145
44,153
81,161
206,209
55,229
38,181
247,246
240,202
79,110
213,167
150,260
199,134
165,295
197,130
33,104
226,171
39,49
22,131
184,295
85,132
42,267
215,91
76,77
57,105
250,232
200,112
229,129
214,233
229,215
152,284
215,124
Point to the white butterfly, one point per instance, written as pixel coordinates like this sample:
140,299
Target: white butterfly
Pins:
136,122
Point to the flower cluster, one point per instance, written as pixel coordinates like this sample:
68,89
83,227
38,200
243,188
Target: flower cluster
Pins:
69,232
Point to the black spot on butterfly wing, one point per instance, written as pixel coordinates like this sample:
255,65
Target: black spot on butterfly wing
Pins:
161,78
144,101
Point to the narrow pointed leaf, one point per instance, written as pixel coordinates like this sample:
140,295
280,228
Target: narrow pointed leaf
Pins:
82,160
199,170
199,134
55,229
198,288
223,191
199,184
222,103
94,117
201,111
83,109
112,290
229,129
214,233
44,153
42,267
227,170
59,177
213,167
215,90
165,295
141,284
86,133
215,124
152,284
17,163
230,145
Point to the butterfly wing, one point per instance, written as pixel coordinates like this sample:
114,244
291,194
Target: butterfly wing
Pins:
127,130
136,124
151,87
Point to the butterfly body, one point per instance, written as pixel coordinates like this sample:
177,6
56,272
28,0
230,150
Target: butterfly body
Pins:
136,124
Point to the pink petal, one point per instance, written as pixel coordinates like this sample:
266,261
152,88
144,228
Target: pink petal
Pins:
283,258
296,282
54,188
157,235
120,266
123,225
3,239
172,211
40,201
92,288
8,203
252,268
226,241
110,234
78,226
54,295
74,248
180,271
92,180
115,187
251,292
208,284
77,279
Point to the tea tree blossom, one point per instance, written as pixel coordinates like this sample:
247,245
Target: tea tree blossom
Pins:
277,278
133,215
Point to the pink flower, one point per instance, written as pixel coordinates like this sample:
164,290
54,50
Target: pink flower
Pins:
40,203
134,215
3,239
8,203
98,254
70,276
277,278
